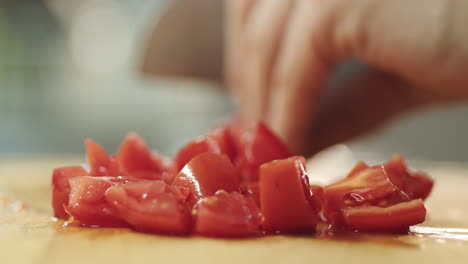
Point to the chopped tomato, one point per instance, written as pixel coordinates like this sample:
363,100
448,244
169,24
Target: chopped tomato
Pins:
171,172
152,206
61,188
87,201
378,186
223,135
207,173
227,215
195,147
236,129
258,146
99,162
233,182
392,218
360,166
415,185
135,159
317,196
369,186
285,197
251,190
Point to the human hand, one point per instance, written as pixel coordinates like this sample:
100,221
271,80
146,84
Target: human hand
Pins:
280,55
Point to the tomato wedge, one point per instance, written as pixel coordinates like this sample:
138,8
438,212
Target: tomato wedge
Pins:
99,162
152,206
259,145
87,202
61,188
223,135
135,159
415,185
227,215
207,173
366,186
393,218
195,147
285,197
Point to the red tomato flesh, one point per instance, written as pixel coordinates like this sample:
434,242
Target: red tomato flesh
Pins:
98,159
251,190
223,135
61,188
393,218
369,186
285,197
132,189
135,159
87,202
207,173
415,185
195,147
227,215
258,146
152,206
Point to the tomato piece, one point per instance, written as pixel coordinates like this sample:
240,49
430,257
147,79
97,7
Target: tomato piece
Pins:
99,162
251,190
317,197
219,141
171,172
207,173
258,146
195,147
61,188
152,206
360,166
415,185
135,159
369,186
224,136
227,215
236,130
392,218
285,197
87,202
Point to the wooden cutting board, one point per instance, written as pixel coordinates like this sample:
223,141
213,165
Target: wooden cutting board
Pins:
28,234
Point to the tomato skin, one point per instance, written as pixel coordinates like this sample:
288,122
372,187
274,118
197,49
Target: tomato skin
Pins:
227,215
369,186
415,185
87,202
195,147
207,173
61,188
285,197
317,197
394,218
259,145
135,159
152,206
223,135
376,187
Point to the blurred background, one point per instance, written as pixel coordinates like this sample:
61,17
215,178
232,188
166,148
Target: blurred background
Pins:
73,69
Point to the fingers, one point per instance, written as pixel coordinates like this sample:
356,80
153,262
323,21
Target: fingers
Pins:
359,104
299,74
236,14
264,32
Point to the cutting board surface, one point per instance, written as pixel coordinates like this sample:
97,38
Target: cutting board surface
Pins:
28,233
